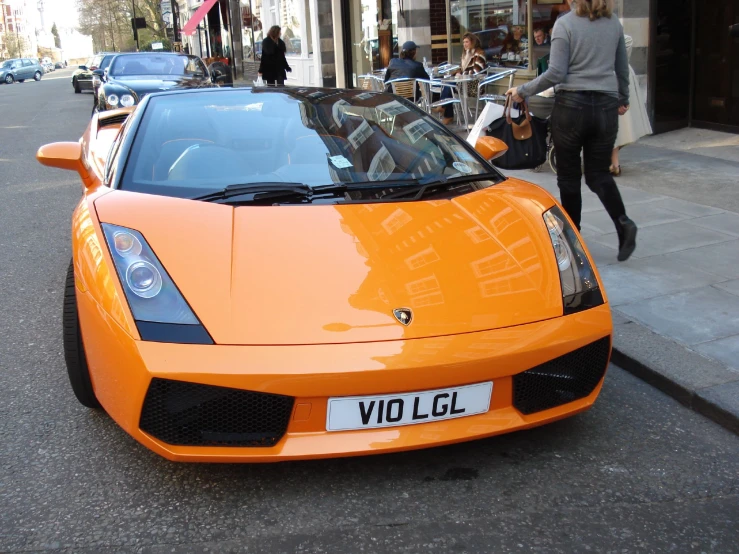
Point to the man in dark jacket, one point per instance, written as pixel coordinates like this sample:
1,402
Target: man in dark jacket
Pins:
406,66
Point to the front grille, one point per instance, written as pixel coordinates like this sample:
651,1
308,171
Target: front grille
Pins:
190,414
562,380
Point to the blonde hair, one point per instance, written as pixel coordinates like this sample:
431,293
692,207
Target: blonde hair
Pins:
594,9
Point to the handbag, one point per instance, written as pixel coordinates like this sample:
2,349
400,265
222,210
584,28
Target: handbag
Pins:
525,136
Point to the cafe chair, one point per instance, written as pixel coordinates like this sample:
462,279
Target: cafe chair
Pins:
405,87
493,77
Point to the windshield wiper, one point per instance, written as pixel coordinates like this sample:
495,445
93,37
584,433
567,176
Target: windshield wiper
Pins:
276,188
439,182
374,185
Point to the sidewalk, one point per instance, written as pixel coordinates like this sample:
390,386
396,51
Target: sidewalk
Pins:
676,301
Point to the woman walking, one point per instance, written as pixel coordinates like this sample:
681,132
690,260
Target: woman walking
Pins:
273,65
635,123
588,65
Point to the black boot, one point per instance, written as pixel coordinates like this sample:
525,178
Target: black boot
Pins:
626,230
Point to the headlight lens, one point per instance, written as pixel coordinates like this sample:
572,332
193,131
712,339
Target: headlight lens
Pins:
112,99
580,289
144,279
150,291
127,100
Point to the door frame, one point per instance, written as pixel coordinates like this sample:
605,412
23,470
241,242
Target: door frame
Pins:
346,39
652,71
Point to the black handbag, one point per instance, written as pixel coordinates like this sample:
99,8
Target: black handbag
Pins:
525,136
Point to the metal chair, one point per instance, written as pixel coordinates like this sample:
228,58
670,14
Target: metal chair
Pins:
494,77
446,68
405,87
370,82
428,87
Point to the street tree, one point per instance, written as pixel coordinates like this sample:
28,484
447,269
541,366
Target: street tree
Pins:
57,39
16,44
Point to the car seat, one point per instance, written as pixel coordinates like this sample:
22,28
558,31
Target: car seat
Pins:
179,130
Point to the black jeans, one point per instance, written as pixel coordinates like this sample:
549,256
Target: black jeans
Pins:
587,122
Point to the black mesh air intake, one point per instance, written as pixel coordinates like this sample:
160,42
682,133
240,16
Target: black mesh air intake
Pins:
562,380
190,414
113,120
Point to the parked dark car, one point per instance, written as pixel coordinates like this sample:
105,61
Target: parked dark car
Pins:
59,65
130,77
82,78
20,69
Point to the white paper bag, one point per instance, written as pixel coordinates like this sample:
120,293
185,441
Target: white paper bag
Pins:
490,113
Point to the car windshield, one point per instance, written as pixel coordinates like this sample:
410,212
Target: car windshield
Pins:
156,64
8,63
193,143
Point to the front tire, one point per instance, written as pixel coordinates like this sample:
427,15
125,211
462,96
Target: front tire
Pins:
74,349
37,76
77,89
9,80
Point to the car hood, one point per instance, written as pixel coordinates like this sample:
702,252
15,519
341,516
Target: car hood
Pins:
333,274
142,86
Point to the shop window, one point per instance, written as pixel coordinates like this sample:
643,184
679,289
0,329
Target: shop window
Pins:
503,27
293,17
290,23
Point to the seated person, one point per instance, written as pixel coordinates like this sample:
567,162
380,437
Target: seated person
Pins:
473,62
541,38
406,65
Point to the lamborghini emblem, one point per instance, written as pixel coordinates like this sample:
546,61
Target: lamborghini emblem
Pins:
403,315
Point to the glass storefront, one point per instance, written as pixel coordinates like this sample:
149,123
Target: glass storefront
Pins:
374,32
293,16
506,28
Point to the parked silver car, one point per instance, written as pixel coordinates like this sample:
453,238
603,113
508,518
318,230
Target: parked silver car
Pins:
20,69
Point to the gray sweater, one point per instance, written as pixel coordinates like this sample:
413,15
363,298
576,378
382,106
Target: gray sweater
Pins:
585,55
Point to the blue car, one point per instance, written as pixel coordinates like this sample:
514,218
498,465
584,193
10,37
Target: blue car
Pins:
20,69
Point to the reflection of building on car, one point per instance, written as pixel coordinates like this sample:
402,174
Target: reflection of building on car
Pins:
282,273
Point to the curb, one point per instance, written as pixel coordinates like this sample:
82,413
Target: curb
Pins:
705,403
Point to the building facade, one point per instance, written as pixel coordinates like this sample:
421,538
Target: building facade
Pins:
686,63
18,32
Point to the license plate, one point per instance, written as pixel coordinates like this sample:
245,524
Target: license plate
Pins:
392,410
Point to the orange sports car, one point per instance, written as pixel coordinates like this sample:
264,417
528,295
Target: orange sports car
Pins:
280,273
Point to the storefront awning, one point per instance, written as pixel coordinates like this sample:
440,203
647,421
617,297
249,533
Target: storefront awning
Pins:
197,17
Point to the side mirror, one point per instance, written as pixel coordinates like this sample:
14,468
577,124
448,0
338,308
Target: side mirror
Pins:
65,155
83,67
490,147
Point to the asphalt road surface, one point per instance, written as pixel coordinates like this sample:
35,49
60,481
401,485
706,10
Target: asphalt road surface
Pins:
639,472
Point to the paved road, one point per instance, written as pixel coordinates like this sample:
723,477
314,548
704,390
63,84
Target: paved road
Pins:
638,472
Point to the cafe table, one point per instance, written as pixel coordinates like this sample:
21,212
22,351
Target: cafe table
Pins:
463,84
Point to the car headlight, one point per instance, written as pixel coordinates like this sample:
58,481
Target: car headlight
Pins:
112,99
580,290
160,311
127,100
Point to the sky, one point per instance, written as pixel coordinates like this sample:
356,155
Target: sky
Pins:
61,12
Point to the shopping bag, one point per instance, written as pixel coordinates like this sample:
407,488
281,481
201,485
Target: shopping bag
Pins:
525,136
489,113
